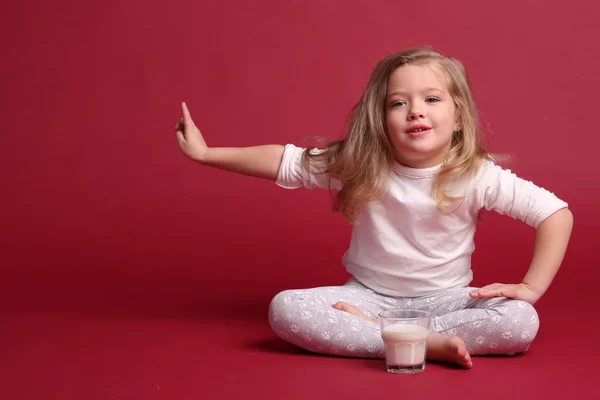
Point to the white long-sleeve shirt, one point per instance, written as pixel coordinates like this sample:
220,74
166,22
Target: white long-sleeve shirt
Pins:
403,246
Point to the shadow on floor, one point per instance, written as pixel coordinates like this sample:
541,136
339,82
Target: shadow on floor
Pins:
276,345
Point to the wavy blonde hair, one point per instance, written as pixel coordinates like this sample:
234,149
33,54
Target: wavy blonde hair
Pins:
362,160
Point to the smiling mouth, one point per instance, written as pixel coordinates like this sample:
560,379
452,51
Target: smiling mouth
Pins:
418,131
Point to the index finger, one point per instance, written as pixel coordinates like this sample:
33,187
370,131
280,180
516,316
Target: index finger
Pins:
186,113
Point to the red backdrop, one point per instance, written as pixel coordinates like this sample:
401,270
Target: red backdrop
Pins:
100,212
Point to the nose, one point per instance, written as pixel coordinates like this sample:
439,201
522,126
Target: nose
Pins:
414,113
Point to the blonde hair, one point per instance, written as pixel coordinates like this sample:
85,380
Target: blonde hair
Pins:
362,160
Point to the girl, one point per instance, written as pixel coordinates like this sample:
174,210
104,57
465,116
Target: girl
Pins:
412,177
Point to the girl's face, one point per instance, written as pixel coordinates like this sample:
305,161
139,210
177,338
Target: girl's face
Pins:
420,115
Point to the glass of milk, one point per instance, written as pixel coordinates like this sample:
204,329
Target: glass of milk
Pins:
405,333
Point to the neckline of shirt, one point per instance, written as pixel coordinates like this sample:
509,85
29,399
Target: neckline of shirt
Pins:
417,173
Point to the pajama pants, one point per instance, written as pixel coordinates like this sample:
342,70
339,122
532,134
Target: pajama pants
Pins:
307,319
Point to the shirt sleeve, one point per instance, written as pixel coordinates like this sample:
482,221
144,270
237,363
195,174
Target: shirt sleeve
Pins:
498,189
292,174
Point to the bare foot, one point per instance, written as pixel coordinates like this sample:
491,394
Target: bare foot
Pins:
350,309
448,349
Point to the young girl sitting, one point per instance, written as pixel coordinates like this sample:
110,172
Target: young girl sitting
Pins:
411,176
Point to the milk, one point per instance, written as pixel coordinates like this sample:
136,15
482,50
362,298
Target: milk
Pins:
405,344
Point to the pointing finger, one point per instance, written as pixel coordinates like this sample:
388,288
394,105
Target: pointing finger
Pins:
186,114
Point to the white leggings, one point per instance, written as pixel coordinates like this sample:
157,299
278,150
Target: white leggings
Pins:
307,319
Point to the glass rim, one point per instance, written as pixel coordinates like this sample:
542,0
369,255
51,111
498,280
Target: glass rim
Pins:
423,313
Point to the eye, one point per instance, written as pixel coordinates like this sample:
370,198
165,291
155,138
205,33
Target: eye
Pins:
432,100
398,103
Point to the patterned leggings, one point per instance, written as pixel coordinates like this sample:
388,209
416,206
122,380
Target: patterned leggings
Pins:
307,319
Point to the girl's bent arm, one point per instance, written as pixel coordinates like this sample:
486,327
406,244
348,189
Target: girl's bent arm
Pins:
552,238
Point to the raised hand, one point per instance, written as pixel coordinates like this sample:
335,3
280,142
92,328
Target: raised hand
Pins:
190,139
518,292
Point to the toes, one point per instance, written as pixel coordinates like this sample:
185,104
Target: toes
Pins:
467,360
344,307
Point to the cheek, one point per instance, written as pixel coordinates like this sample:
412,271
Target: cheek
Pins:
449,119
389,119
394,121
453,115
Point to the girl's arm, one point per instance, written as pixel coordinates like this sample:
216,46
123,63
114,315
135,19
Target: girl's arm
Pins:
552,238
258,161
504,192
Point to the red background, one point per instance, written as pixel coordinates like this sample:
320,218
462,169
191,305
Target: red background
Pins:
101,215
